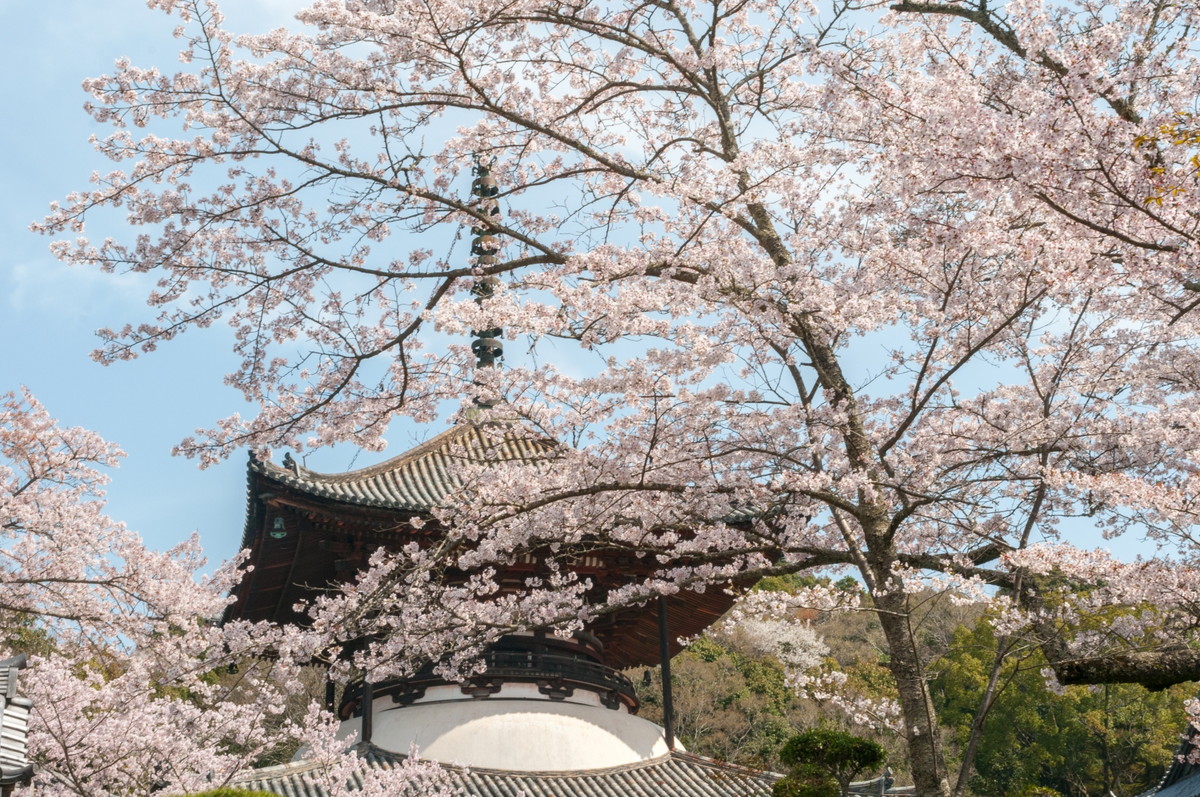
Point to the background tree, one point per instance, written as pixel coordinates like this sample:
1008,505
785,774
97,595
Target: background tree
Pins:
1115,738
732,701
888,300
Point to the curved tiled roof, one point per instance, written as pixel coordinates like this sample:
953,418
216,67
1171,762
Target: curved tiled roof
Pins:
674,775
419,478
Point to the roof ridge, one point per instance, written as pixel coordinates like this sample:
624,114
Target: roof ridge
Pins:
718,764
674,774
458,430
421,449
681,756
297,767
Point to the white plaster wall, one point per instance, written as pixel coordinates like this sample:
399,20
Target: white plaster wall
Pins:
530,735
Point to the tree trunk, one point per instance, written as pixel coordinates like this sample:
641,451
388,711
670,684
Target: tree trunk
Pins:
1004,645
921,730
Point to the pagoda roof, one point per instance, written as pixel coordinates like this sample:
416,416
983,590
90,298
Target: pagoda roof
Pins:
674,775
332,523
421,478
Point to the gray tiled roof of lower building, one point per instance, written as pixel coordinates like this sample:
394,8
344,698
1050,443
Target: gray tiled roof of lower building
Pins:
1187,787
14,725
1182,778
676,775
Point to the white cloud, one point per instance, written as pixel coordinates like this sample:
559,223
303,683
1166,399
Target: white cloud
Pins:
60,294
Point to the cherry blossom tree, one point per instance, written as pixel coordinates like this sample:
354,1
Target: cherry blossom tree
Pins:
906,290
133,688
121,624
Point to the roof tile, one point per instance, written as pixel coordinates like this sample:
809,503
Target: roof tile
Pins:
421,478
676,775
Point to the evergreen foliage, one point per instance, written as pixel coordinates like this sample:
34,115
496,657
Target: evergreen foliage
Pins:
806,781
837,755
1115,738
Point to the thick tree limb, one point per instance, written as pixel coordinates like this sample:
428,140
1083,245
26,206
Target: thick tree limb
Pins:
1154,670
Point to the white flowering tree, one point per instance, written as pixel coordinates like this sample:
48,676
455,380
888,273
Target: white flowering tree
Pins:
905,290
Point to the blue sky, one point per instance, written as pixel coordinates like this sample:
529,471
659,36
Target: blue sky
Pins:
49,312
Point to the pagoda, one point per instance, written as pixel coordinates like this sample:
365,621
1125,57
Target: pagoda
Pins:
307,532
543,706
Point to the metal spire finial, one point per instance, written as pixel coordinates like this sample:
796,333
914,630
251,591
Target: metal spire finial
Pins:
484,247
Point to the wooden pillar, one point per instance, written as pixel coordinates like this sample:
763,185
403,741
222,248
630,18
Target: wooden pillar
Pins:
664,649
368,709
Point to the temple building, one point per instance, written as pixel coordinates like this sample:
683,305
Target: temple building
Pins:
547,715
15,767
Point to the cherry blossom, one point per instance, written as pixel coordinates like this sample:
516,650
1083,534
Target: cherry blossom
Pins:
340,772
135,686
904,291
